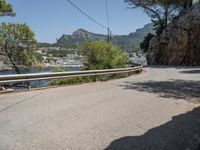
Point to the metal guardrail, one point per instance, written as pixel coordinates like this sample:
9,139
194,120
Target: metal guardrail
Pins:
59,75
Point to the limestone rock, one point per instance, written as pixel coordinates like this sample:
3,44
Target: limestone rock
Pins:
179,43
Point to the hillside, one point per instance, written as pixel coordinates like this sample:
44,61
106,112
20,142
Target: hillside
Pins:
126,42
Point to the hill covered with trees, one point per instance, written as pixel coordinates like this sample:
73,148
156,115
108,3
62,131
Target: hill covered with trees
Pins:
128,43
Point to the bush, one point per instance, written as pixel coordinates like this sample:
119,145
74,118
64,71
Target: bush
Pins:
69,81
103,55
59,69
97,55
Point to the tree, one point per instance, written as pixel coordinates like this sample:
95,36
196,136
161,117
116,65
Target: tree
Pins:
145,44
6,9
103,55
161,12
183,4
18,44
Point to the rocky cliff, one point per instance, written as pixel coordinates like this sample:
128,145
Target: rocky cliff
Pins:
179,43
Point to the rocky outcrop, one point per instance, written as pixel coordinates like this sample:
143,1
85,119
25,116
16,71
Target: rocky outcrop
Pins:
179,43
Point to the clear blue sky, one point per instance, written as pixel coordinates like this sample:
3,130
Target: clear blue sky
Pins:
49,19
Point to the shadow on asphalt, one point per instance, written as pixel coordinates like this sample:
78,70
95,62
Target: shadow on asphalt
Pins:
181,133
188,90
175,67
190,72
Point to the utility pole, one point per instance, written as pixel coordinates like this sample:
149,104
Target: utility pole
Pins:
108,36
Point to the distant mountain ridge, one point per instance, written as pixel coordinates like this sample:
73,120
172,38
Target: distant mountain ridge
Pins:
127,43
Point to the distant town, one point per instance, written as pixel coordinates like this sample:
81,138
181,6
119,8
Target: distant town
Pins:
72,58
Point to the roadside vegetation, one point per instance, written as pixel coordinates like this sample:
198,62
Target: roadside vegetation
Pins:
17,41
97,55
18,44
103,55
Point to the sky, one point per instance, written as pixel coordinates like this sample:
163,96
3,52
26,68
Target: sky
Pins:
49,19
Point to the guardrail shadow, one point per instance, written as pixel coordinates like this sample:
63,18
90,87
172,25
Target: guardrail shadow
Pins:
174,67
188,90
181,133
190,71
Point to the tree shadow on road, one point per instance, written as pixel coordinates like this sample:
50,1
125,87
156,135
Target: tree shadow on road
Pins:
181,133
188,90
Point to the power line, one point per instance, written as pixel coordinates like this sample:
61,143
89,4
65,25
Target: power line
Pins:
108,22
107,14
93,20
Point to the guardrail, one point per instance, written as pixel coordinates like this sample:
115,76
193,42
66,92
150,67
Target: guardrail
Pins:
59,75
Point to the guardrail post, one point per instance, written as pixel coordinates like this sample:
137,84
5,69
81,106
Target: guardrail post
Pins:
28,85
96,78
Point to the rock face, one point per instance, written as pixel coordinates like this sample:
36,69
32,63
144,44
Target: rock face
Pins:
179,43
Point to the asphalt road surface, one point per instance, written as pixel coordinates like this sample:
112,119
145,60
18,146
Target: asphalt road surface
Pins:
158,110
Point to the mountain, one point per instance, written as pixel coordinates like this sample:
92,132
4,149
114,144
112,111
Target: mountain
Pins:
79,36
132,41
127,43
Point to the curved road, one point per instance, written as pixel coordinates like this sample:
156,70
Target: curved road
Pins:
159,110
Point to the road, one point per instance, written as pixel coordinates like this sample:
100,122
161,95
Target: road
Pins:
158,110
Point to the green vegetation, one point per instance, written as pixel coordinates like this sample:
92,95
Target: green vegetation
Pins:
17,41
18,44
161,12
6,9
69,81
58,53
98,55
103,55
145,44
59,69
81,80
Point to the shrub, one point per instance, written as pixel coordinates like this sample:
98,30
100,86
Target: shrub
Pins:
69,81
103,55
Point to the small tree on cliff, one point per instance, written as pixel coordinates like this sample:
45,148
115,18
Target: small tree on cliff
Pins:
17,43
6,9
161,12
